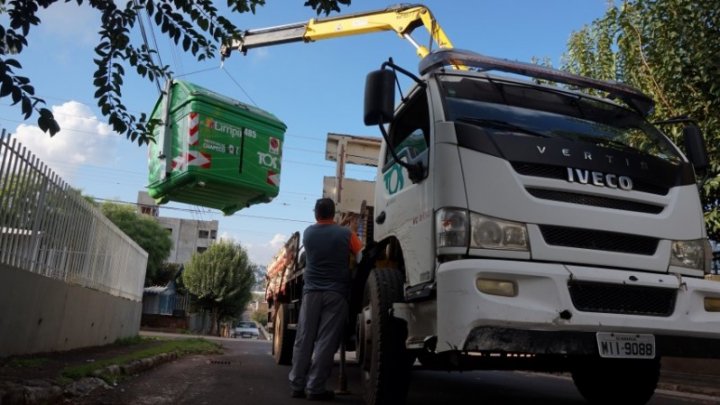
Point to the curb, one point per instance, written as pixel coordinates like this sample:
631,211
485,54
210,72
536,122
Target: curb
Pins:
37,392
690,389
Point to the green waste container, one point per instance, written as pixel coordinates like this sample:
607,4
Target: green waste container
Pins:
214,152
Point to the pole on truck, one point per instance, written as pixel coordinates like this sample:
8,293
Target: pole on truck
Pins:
342,376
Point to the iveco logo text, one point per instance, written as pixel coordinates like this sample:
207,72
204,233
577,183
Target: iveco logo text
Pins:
599,179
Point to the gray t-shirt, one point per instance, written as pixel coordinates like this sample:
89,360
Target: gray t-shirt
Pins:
327,250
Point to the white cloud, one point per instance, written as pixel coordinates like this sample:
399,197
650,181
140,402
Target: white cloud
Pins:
227,237
82,139
263,253
259,253
278,240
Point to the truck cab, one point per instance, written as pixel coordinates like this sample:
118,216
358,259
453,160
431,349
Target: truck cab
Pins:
533,226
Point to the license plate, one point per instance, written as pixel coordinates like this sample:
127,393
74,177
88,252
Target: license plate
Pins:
626,345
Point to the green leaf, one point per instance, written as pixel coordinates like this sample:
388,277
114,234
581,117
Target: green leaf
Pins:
6,87
13,63
16,95
27,107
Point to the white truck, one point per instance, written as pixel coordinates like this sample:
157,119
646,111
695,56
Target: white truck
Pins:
520,225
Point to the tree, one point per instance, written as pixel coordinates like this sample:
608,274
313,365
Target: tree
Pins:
221,279
195,25
260,316
260,274
146,232
670,49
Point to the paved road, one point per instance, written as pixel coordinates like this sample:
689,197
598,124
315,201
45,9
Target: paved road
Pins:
246,374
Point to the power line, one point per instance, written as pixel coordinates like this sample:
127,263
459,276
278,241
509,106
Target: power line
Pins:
241,88
192,210
147,44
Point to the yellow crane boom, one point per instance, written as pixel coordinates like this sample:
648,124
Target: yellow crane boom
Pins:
402,19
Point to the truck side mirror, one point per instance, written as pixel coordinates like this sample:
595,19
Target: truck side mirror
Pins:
695,147
379,97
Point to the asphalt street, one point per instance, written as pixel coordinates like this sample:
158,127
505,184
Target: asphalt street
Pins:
247,374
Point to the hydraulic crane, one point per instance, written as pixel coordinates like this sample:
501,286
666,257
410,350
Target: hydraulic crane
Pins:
403,19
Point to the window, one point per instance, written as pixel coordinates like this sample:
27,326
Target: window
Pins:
201,249
213,234
203,234
169,230
410,131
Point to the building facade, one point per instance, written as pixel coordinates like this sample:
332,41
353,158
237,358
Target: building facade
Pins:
188,235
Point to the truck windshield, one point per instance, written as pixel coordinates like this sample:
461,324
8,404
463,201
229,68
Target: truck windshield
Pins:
504,107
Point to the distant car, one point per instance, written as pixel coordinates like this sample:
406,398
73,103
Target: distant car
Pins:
246,329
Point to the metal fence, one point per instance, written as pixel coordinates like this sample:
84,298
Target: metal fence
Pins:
48,228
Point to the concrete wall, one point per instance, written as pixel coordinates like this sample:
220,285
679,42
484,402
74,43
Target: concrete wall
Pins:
185,234
39,314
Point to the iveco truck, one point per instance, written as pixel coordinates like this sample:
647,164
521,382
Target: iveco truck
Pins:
520,225
522,218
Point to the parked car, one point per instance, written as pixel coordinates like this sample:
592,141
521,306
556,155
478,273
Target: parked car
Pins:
246,329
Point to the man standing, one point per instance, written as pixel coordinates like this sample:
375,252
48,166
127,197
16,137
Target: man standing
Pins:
324,305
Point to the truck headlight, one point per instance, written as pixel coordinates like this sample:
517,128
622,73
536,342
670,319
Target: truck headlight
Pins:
693,254
491,233
451,226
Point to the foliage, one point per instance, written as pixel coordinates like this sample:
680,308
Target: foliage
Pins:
146,232
167,273
221,279
260,316
260,274
670,49
195,25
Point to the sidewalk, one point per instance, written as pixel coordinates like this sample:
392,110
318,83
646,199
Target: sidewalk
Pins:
699,376
704,384
50,378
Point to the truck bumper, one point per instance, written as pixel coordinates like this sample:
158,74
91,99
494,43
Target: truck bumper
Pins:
550,315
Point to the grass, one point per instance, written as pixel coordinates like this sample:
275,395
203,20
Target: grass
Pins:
32,362
180,346
129,341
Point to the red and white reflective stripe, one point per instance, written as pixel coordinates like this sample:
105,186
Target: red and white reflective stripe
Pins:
192,158
199,159
179,163
194,128
273,178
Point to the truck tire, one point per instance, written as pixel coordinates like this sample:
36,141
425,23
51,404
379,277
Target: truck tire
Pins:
615,381
283,338
385,369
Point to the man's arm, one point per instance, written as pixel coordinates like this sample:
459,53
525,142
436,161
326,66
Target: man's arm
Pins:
355,246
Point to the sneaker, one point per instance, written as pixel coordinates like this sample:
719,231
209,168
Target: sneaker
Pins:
322,396
298,394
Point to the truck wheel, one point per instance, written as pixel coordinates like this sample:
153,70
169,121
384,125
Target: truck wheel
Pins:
283,338
385,369
614,381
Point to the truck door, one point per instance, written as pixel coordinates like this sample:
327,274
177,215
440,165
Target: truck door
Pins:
404,209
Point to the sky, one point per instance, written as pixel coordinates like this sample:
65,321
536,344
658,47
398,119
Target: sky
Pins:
314,88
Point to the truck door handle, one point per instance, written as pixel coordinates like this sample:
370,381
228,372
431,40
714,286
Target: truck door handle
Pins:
380,218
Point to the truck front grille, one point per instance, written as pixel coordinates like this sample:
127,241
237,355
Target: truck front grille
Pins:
596,201
598,240
622,299
560,172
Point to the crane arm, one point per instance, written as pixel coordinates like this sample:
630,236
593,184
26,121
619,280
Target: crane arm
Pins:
402,19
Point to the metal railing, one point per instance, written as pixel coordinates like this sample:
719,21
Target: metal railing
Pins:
48,228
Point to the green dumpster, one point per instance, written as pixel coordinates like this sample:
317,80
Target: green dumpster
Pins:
214,152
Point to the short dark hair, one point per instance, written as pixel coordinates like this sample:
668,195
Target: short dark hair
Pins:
324,208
